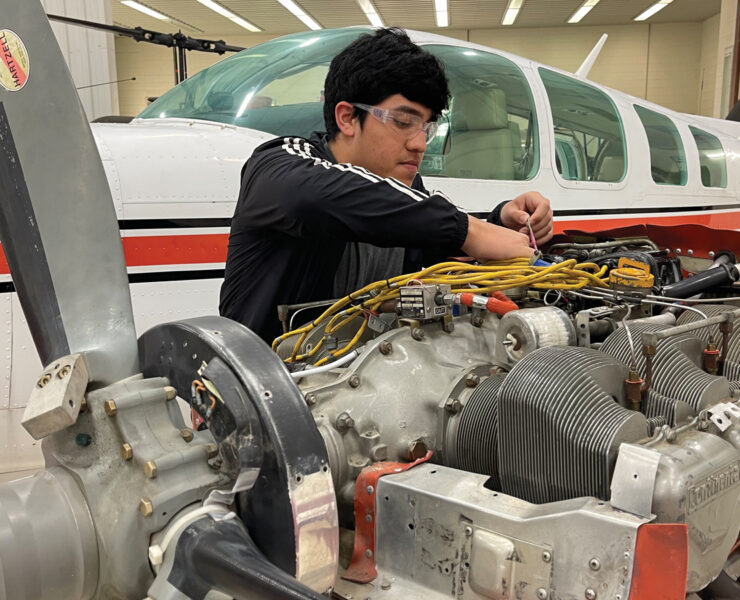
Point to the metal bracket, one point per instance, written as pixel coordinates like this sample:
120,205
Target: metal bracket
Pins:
57,397
633,481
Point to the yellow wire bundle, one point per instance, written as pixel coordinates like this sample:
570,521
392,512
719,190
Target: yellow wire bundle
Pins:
462,277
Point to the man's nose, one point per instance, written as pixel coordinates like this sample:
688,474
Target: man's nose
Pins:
418,143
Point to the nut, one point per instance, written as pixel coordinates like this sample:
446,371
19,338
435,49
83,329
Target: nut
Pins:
83,405
472,380
127,452
170,393
369,553
64,371
417,333
590,594
344,422
150,469
385,347
46,378
110,407
354,381
212,450
311,399
187,435
453,406
146,507
417,450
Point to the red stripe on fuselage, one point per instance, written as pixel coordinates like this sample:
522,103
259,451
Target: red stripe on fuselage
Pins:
193,249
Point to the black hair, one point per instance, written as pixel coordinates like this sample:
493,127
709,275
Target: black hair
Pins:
376,66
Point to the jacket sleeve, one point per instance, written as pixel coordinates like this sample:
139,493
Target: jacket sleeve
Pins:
289,189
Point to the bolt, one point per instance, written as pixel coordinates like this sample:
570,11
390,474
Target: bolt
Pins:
83,439
468,531
369,489
369,518
417,333
170,393
546,556
46,378
678,251
476,321
212,450
590,594
150,469
594,564
354,381
453,406
711,254
472,380
146,507
541,593
344,422
417,450
690,252
64,371
311,399
386,585
369,553
187,435
110,407
127,452
385,347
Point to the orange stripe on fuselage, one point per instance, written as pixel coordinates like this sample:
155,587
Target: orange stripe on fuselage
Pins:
193,249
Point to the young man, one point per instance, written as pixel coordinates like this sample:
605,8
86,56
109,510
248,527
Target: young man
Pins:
319,218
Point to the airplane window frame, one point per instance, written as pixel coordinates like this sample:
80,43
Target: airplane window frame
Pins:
701,132
579,139
439,150
672,130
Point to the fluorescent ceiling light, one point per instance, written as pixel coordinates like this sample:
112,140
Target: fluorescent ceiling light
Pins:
441,14
145,9
301,14
225,12
652,10
512,11
371,13
583,11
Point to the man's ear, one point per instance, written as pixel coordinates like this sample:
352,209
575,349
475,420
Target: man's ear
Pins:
343,113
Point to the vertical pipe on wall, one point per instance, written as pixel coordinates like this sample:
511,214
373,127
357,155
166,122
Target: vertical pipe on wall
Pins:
735,60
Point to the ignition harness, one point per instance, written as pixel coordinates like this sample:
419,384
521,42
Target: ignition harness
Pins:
462,277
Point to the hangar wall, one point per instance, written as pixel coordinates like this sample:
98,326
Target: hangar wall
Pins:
669,64
90,54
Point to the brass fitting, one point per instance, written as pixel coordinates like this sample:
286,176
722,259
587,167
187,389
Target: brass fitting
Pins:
127,452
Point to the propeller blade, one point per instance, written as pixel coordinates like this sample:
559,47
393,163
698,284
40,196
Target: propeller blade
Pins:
58,226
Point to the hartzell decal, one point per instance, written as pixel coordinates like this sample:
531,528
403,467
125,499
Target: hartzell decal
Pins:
717,483
14,64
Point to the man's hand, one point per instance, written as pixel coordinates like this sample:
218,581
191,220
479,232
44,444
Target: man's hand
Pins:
537,207
486,241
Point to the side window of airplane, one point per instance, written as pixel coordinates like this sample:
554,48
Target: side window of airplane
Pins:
490,129
667,158
588,132
712,160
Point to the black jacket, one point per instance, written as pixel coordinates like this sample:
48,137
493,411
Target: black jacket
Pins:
298,210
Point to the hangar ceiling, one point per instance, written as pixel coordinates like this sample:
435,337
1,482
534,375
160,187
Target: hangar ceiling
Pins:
197,20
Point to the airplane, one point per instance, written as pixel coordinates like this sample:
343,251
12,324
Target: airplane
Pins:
604,158
589,493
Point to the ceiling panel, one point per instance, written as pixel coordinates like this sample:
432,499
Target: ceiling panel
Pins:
195,19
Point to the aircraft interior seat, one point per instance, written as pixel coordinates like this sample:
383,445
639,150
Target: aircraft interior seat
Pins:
518,151
609,165
480,139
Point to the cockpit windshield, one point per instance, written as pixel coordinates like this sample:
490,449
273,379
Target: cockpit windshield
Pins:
276,87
